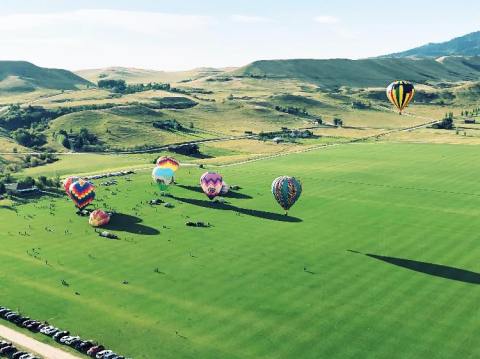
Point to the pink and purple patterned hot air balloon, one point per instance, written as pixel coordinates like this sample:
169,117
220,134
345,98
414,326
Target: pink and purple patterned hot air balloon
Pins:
211,184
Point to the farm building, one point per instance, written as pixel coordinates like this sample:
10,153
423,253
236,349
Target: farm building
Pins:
15,188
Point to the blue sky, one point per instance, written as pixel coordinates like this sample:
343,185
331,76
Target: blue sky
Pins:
178,35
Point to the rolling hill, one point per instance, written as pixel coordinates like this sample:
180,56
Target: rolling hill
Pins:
22,76
134,75
467,45
367,72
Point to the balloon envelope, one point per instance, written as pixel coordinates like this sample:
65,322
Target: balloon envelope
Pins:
211,184
286,191
82,193
168,162
163,177
98,218
400,93
68,182
225,188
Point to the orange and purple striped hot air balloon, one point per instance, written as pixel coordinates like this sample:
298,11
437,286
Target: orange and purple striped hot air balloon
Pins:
82,193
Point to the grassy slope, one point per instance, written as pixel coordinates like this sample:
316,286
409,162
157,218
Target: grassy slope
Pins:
467,45
366,73
24,76
128,126
133,75
245,294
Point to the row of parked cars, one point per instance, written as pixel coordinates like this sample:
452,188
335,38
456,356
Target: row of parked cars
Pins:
88,347
7,349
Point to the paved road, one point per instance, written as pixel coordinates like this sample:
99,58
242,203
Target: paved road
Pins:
32,345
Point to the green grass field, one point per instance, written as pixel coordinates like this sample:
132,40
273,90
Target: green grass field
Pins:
258,284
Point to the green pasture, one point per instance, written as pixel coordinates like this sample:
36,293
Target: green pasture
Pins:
378,259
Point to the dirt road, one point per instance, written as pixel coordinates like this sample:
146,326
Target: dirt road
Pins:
32,345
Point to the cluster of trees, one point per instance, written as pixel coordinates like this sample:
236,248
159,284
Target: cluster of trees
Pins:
178,103
169,125
337,121
190,91
120,86
360,105
29,137
447,122
41,182
82,141
219,79
16,117
285,134
38,160
113,85
292,110
474,112
189,149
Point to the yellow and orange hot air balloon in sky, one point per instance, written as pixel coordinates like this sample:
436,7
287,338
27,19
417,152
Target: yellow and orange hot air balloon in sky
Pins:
400,93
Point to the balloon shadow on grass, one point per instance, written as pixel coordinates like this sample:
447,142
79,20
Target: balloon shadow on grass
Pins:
131,224
437,270
249,212
230,194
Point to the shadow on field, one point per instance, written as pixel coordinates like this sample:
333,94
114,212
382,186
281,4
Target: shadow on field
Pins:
436,270
131,224
230,194
249,212
8,208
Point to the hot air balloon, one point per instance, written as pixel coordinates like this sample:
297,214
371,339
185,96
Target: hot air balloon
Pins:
400,93
162,177
98,218
68,182
225,188
211,184
168,162
286,191
82,193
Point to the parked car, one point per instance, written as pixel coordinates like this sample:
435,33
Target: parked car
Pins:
8,350
103,354
94,350
60,335
4,344
28,356
17,355
84,345
111,355
67,339
73,341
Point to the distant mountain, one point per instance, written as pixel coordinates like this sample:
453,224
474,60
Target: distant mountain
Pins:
21,76
468,45
366,73
134,75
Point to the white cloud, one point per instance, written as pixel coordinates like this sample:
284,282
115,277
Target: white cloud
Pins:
327,19
91,38
250,19
79,20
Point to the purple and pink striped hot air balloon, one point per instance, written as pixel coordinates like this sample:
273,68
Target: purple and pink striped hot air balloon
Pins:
211,184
